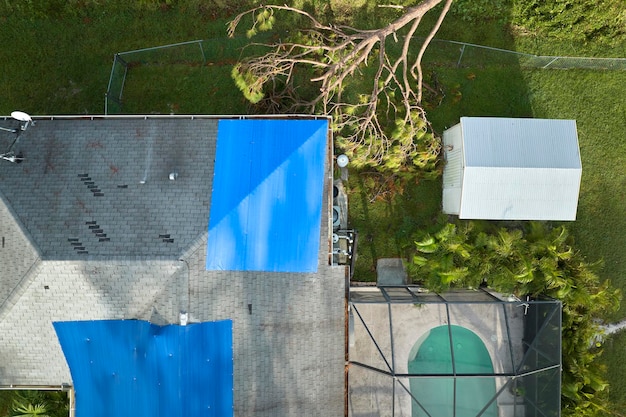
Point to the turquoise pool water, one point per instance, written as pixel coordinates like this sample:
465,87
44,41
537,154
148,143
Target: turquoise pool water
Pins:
431,355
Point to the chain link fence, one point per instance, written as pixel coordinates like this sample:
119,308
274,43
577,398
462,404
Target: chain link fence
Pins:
189,54
470,55
440,52
192,51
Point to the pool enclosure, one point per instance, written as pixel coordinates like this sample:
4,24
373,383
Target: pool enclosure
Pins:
457,354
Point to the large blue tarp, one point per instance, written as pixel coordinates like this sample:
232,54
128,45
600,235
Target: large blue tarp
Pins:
132,368
266,203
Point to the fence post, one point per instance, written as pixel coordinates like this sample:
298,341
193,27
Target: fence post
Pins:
202,52
550,63
458,64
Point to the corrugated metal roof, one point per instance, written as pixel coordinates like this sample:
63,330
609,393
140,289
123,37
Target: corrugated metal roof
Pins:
134,368
520,143
266,202
520,194
453,176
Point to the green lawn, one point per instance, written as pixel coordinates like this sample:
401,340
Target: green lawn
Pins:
613,359
62,65
597,100
182,89
387,212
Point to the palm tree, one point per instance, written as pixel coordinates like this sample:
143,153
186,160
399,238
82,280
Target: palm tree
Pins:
29,410
538,261
39,404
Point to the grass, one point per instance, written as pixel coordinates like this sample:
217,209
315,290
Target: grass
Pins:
613,358
62,66
387,210
596,100
182,89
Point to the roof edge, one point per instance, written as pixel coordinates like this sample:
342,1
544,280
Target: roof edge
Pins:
174,116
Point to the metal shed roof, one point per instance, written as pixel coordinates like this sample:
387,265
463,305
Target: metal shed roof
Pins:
512,169
492,142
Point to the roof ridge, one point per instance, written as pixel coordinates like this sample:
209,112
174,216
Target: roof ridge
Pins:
18,222
19,290
197,244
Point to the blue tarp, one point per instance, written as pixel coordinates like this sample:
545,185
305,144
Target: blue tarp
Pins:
132,368
266,203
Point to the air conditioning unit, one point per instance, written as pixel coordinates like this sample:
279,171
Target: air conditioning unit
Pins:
336,217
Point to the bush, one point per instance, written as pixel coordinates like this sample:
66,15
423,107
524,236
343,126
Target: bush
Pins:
602,21
529,260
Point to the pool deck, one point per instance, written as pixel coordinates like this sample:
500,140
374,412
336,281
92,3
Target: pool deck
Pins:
372,393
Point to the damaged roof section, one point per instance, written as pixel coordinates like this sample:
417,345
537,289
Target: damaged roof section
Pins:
107,218
103,188
266,205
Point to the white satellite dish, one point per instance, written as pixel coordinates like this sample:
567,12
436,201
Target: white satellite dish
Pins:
342,161
21,116
9,155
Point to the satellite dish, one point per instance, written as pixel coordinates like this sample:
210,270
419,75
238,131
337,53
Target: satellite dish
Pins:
342,161
8,155
21,116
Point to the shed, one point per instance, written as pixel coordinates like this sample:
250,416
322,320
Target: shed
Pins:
511,169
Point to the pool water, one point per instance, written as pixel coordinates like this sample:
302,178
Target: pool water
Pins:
431,354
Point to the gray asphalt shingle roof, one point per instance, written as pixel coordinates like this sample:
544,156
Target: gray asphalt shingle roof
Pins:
81,185
93,228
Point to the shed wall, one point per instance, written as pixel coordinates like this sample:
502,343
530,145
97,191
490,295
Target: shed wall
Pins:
453,170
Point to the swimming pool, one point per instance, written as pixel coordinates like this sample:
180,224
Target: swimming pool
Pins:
431,354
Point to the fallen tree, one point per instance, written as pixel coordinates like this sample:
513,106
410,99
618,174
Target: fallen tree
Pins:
385,123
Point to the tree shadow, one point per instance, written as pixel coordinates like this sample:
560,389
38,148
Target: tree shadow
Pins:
463,79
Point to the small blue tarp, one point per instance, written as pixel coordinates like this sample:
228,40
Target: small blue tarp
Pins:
266,204
132,368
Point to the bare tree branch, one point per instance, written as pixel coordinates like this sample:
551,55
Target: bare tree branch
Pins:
386,124
417,65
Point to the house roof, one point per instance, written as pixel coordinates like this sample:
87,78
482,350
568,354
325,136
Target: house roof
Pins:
101,187
151,365
267,195
92,228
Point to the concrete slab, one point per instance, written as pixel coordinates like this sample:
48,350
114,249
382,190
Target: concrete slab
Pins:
391,271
